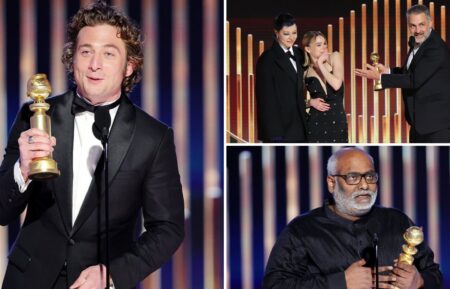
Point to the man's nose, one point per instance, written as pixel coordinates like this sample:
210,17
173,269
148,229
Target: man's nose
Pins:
95,63
363,183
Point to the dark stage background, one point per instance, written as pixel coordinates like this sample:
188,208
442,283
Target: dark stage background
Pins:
256,18
268,186
182,87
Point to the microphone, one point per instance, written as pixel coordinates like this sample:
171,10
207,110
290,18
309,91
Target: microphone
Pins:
102,121
373,227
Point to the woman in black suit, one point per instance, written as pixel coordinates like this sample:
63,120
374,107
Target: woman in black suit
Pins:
279,86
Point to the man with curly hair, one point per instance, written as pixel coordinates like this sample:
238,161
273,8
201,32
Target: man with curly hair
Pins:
63,238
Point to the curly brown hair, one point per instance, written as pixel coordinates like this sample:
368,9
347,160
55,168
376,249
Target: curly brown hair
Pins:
97,14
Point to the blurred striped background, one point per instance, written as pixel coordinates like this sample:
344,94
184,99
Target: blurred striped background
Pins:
182,86
268,186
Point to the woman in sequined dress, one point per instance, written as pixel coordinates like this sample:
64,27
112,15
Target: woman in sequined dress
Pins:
324,77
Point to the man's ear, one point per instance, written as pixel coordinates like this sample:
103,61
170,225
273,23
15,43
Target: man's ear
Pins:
331,183
129,69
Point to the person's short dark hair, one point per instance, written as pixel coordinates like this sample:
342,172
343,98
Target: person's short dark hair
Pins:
418,9
283,20
98,14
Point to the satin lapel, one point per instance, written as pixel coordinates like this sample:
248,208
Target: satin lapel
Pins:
62,129
283,61
119,142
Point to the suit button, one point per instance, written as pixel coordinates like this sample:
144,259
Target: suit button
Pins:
72,242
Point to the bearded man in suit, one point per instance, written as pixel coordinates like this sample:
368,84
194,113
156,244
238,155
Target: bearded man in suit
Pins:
62,241
424,80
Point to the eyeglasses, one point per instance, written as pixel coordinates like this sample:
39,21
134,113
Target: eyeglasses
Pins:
355,178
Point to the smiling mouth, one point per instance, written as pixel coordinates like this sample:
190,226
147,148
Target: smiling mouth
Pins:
94,79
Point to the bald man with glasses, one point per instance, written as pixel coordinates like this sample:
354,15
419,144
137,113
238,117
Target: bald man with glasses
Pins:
334,246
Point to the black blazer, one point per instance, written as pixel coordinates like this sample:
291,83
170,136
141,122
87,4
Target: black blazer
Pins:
425,86
279,95
143,174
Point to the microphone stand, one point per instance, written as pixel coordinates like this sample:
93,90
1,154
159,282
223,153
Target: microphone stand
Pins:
104,140
375,245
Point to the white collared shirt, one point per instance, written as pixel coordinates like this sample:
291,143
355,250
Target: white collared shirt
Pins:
292,52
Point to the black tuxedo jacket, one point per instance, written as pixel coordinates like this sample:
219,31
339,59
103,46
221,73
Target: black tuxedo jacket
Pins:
279,95
425,86
143,174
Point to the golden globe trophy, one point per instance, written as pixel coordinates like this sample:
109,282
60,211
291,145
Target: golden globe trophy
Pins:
375,57
413,237
38,89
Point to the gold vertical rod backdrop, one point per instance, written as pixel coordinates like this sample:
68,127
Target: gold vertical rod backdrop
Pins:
353,111
409,192
227,76
260,47
398,92
269,200
443,34
150,75
245,177
431,8
28,51
386,198
420,2
341,43
432,161
149,88
360,128
365,112
180,120
408,5
57,73
387,100
330,38
239,82
212,173
376,103
250,90
292,183
315,169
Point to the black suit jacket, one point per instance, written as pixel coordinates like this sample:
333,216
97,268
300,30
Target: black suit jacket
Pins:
143,174
425,86
279,95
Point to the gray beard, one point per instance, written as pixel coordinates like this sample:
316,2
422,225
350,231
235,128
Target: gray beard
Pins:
349,206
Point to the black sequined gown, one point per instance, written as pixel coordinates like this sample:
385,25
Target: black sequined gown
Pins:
328,126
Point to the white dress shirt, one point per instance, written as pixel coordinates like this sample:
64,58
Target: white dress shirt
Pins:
292,52
87,150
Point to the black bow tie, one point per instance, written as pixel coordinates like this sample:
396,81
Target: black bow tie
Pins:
80,105
291,55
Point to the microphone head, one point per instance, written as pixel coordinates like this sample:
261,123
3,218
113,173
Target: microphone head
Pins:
411,42
100,128
373,227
